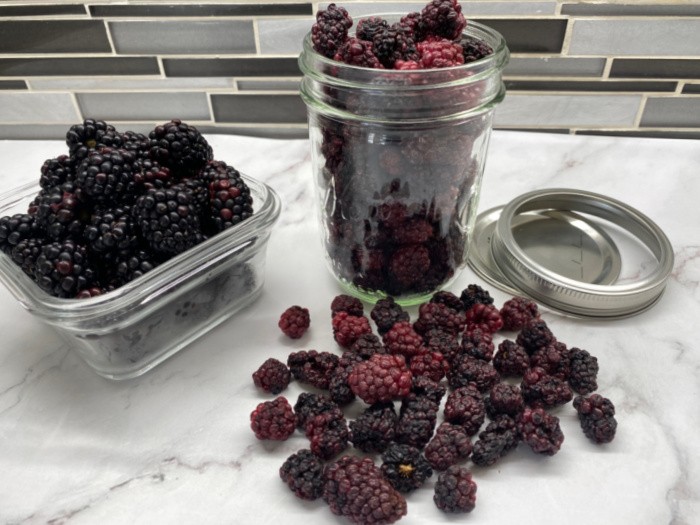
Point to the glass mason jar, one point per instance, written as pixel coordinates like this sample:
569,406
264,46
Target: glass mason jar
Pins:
398,158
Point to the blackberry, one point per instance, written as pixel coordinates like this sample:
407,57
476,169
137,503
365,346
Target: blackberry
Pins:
108,175
386,312
408,265
417,419
474,49
455,490
485,317
478,343
354,487
111,229
439,52
511,359
272,376
348,304
410,22
215,170
136,143
347,328
504,399
131,265
442,18
438,316
15,229
310,366
534,335
309,405
445,343
467,370
500,437
294,321
26,253
430,364
597,417
405,467
425,387
229,203
540,431
554,358
516,312
367,345
63,269
394,43
328,433
465,407
338,387
303,474
374,429
90,135
59,212
539,389
448,299
55,172
273,420
148,174
356,52
382,377
368,27
402,339
583,378
449,446
330,30
475,294
180,147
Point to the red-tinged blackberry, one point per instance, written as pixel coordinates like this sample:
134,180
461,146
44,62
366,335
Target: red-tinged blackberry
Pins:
310,366
150,174
26,253
412,231
356,52
439,52
539,389
583,378
367,345
382,377
408,265
294,321
442,18
534,335
330,30
425,387
347,303
455,490
484,316
328,433
90,135
368,27
402,339
554,358
375,428
55,172
59,213
450,445
355,488
511,359
111,229
137,143
131,265
475,294
303,474
107,175
338,387
229,202
504,399
597,417
478,343
432,365
273,420
465,407
63,269
474,49
417,419
93,291
309,404
448,299
272,376
540,430
386,312
445,343
516,312
17,228
394,43
466,370
500,437
215,170
347,328
405,467
180,147
438,316
410,22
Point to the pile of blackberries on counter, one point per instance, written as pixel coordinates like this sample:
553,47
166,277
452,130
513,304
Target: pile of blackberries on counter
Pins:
119,204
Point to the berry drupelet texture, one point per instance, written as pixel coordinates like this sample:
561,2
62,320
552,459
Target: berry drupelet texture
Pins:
478,343
356,52
500,437
425,387
63,269
303,474
430,364
583,377
517,311
534,335
554,358
273,420
417,419
348,304
442,18
475,294
438,53
338,387
450,445
309,404
272,376
439,316
382,377
485,317
474,49
367,345
448,299
539,389
294,321
327,433
374,429
540,431
330,30
465,407
386,313
405,467
348,328
511,359
368,27
403,340
466,370
597,417
504,399
88,136
455,490
313,367
394,43
179,146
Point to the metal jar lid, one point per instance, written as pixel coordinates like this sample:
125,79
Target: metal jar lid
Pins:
534,271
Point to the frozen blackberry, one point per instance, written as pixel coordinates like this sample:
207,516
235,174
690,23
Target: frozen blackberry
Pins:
430,364
425,387
294,321
500,437
540,431
394,43
180,147
367,345
554,358
539,389
327,433
382,377
597,417
445,343
410,22
137,143
273,420
583,378
356,52
511,359
309,405
63,269
475,294
348,304
448,299
355,488
478,343
111,229
405,467
330,30
272,376
55,172
465,407
90,135
408,265
368,27
402,339
466,370
474,49
438,316
133,264
516,312
338,387
439,52
310,366
485,317
455,490
229,202
534,335
504,399
386,312
59,212
450,445
26,253
374,428
417,419
347,328
303,474
108,175
442,18
16,228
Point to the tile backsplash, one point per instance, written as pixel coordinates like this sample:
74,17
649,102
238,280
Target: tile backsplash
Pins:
617,67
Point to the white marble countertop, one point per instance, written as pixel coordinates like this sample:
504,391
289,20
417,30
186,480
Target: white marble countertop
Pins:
175,446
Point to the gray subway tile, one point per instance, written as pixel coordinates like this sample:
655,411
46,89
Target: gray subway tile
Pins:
130,84
13,84
36,108
184,37
283,37
530,35
231,67
78,66
300,131
269,85
613,9
555,66
691,88
644,133
567,110
655,37
244,108
675,112
42,10
590,85
144,106
175,10
53,36
33,131
655,68
361,9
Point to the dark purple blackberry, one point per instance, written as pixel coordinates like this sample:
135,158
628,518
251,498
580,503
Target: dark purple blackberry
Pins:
583,378
59,213
438,316
500,437
309,405
475,294
149,174
405,467
90,135
554,358
338,387
597,417
367,345
328,433
540,431
215,170
17,228
417,419
516,312
478,343
504,399
386,312
465,407
168,219
180,147
535,334
368,27
272,376
55,172
450,445
410,22
442,18
425,387
448,299
445,343
348,304
273,420
310,366
303,474
133,264
26,253
229,202
330,30
111,229
374,428
137,143
455,490
466,370
539,389
63,269
474,49
408,266
107,175
356,52
394,43
429,364
511,359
